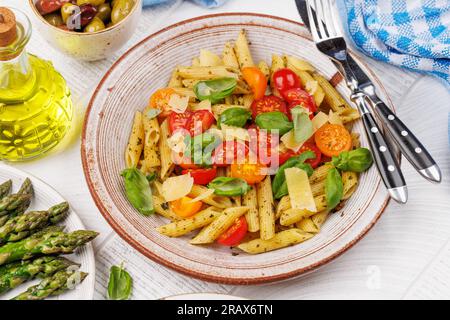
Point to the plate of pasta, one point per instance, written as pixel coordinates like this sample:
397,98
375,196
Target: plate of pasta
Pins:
226,148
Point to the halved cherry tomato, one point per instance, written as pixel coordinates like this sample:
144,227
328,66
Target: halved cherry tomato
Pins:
200,120
234,235
228,152
332,139
250,172
307,146
160,100
202,176
267,104
264,145
256,80
284,79
296,104
184,207
301,97
178,120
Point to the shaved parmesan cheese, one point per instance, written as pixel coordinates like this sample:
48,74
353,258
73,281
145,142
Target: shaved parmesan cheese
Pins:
178,103
289,142
311,86
177,187
334,118
319,120
299,190
203,105
234,133
176,142
202,196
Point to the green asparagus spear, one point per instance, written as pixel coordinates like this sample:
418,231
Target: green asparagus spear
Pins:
26,188
5,189
52,286
22,226
16,273
45,243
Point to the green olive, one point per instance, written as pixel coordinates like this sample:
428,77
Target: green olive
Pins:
67,10
54,19
95,25
121,8
93,2
104,12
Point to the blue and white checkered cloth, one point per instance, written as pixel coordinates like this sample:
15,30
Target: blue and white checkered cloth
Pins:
414,34
205,3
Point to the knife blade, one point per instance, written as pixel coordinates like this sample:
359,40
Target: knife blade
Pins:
408,143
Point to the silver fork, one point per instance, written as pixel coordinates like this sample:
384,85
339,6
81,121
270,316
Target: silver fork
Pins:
329,40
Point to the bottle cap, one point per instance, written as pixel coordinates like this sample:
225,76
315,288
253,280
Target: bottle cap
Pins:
8,27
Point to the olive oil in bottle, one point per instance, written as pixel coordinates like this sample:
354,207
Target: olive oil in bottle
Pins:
35,102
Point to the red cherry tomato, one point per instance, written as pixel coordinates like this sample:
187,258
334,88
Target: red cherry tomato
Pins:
296,104
264,145
307,146
301,97
178,120
234,235
201,120
284,79
48,6
268,104
226,153
202,176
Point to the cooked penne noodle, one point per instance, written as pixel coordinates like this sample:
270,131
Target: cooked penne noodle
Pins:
247,100
167,164
298,64
184,226
266,209
264,67
332,98
207,73
318,188
310,84
283,205
307,225
250,199
319,219
356,143
291,216
320,173
186,92
221,224
280,240
175,80
212,200
195,62
350,182
163,208
242,51
348,114
277,63
152,135
229,56
135,142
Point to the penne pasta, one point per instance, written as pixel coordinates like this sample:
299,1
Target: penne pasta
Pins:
298,64
332,98
319,219
242,51
184,226
207,73
291,216
350,182
229,56
250,200
175,80
163,209
280,240
307,225
264,67
266,209
320,173
212,200
135,143
221,224
167,164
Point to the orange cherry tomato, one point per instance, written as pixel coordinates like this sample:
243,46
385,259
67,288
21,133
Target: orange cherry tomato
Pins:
332,139
184,208
250,172
234,235
160,100
256,80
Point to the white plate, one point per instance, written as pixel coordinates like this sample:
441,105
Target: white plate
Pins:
45,197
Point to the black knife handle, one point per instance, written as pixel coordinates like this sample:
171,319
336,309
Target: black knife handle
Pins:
409,145
386,164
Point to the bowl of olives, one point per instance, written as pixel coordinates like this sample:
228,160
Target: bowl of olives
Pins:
86,29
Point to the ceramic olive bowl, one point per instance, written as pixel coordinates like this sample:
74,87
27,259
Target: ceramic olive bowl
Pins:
88,46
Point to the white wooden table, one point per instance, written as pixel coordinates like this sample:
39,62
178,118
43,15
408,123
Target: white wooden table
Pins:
382,265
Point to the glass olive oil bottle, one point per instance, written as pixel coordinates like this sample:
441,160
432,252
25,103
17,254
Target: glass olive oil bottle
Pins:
35,102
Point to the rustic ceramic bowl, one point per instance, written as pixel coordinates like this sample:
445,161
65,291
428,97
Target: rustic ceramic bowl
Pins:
88,46
126,88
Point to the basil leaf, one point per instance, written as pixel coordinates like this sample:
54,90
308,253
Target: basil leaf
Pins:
236,117
215,90
279,186
138,191
274,120
226,186
153,113
358,160
120,284
303,126
334,188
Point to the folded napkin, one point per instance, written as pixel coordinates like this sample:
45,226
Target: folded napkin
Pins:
205,3
414,34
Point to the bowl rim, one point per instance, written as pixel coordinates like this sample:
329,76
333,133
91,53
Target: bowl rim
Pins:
83,34
191,273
